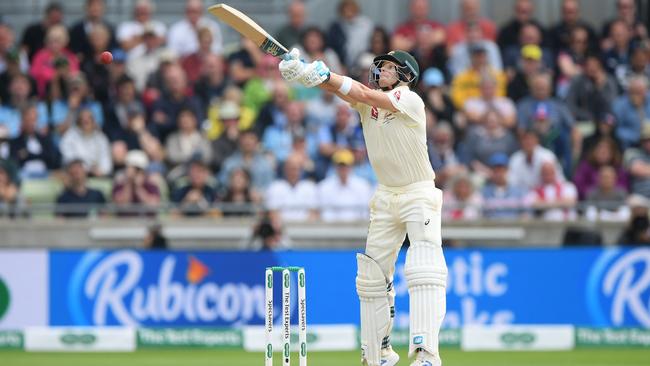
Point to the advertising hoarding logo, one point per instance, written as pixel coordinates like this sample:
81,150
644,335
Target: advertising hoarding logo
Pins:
4,298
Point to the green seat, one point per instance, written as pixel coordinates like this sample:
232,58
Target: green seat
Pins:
104,185
41,191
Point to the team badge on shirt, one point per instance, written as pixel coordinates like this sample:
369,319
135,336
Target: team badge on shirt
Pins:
397,94
374,113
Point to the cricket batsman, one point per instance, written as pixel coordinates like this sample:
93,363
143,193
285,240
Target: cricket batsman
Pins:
406,201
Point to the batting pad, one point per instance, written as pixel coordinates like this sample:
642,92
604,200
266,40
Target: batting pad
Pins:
426,277
375,309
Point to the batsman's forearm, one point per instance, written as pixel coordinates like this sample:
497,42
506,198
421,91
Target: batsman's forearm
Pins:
360,93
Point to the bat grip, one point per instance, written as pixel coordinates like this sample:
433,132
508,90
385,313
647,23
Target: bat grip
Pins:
286,57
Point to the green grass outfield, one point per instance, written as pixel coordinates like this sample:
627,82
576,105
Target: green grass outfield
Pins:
203,357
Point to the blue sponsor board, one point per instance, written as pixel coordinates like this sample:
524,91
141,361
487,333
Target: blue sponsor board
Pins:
588,287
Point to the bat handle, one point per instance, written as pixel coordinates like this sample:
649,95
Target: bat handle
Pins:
286,57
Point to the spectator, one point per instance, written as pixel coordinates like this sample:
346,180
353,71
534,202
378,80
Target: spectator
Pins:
605,128
7,162
570,61
77,199
632,110
80,32
626,12
166,110
525,164
14,66
606,201
362,167
321,112
12,202
187,142
9,52
86,142
34,151
554,199
273,112
487,139
19,97
463,202
183,37
155,239
92,66
44,63
442,155
617,57
257,90
591,90
212,81
249,157
523,15
34,35
350,34
560,34
230,108
341,135
502,200
289,34
134,192
379,45
460,54
117,113
268,234
529,64
639,66
637,231
135,136
529,35
476,108
470,13
343,196
465,85
549,117
292,198
405,36
197,196
64,112
147,58
130,34
224,146
243,63
278,139
313,47
239,197
436,98
193,64
604,153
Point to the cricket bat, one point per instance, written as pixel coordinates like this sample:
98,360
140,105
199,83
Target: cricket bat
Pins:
249,29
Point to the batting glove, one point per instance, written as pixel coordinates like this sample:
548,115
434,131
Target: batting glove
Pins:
314,74
293,67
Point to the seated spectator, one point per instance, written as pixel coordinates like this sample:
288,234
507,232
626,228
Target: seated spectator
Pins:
240,197
591,90
144,60
604,153
33,38
187,142
292,198
631,110
626,11
550,118
343,196
193,63
462,201
525,164
249,157
570,61
212,80
553,199
278,140
34,151
64,112
362,167
97,73
134,192
487,139
43,64
442,154
273,112
605,129
350,33
459,59
501,200
530,63
606,201
637,231
509,34
639,66
313,47
436,98
560,33
617,56
81,31
243,63
85,141
196,197
130,34
289,33
10,53
19,97
117,114
135,136
466,85
14,67
12,202
183,36
322,111
637,163
405,36
530,35
229,106
77,199
343,134
307,159
476,108
470,13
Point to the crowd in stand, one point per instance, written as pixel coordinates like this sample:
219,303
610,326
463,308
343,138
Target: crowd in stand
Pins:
524,121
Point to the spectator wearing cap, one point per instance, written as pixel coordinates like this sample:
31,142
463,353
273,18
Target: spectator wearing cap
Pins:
501,200
196,197
523,15
591,90
87,142
530,63
134,192
289,33
462,201
637,231
43,66
486,139
80,32
435,98
343,134
248,156
560,33
226,144
606,201
96,71
466,84
554,199
292,198
525,164
20,95
146,59
130,34
239,196
228,115
461,53
187,142
603,153
343,196
183,36
34,35
529,35
350,33
470,14
443,156
632,112
476,108
77,200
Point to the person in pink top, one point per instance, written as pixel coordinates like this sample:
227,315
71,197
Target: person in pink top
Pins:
54,53
470,14
406,34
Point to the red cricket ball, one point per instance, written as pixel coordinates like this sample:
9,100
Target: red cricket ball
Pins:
106,57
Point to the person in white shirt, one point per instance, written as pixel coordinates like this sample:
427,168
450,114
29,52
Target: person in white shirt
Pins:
554,198
406,201
525,165
183,35
343,196
85,141
129,33
293,198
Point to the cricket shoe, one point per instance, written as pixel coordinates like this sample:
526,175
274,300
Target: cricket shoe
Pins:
388,357
424,358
